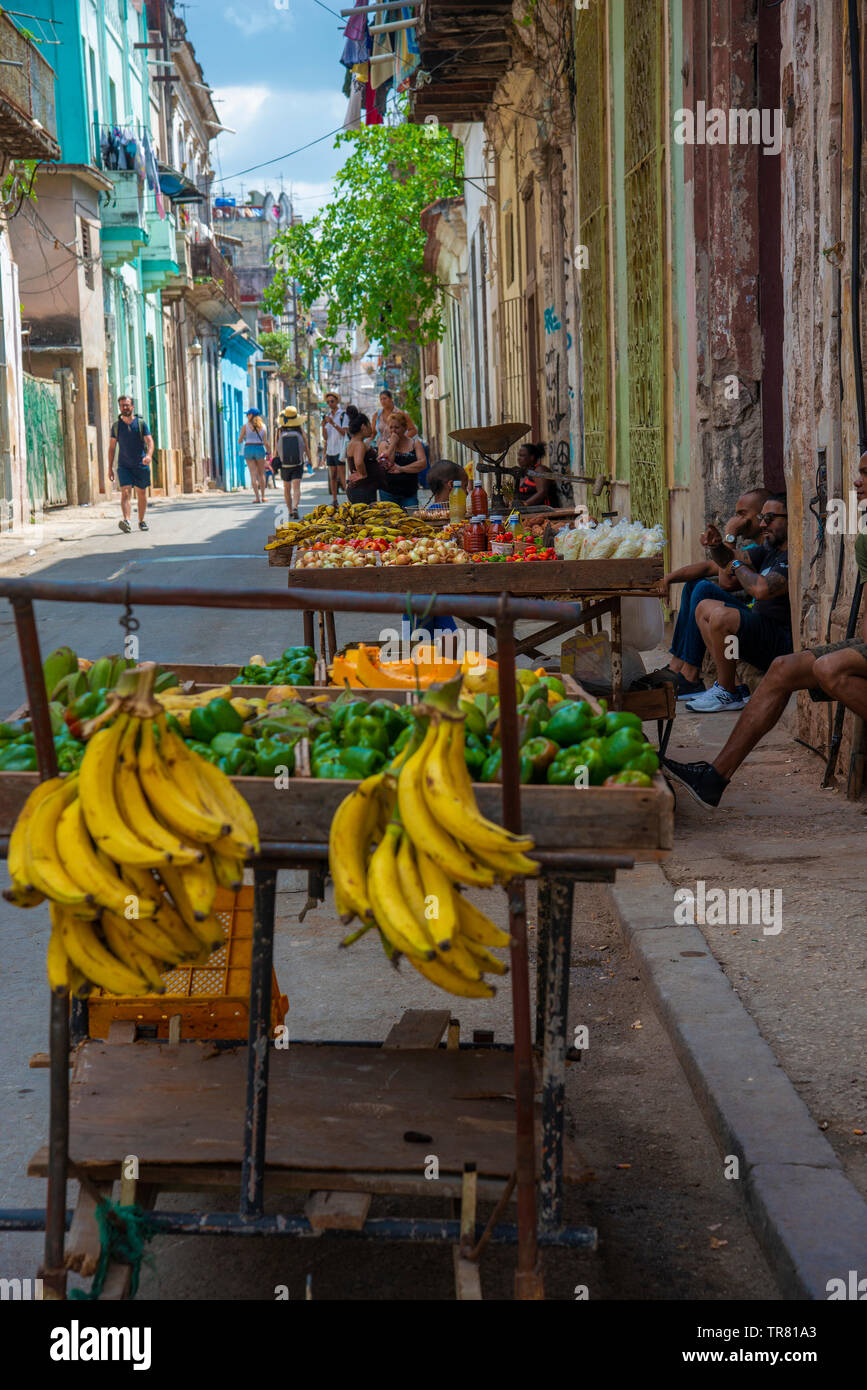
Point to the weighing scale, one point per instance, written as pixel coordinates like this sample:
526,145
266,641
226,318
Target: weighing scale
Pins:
492,443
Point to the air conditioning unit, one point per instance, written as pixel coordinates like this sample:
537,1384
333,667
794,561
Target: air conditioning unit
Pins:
110,326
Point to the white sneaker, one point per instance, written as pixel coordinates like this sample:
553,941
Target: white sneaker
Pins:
716,700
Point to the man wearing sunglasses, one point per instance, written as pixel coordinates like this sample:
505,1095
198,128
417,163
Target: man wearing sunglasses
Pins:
837,671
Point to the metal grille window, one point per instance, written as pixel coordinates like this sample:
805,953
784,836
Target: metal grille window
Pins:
512,358
86,253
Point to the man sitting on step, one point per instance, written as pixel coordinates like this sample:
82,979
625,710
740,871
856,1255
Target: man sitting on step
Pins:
838,671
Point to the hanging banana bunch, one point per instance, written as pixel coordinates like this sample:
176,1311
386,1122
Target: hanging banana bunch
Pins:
404,843
129,850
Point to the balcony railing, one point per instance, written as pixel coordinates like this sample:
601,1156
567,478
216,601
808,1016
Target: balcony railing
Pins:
28,123
208,264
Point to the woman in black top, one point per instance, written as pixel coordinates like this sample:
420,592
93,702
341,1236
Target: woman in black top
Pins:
362,470
535,491
402,459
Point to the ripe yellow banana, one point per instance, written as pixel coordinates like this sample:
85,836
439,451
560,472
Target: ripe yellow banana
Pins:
135,810
456,811
206,786
18,839
486,959
121,943
173,933
89,871
229,872
20,895
57,963
392,914
42,866
409,878
166,798
193,890
440,975
94,960
508,866
475,926
210,932
99,802
348,841
439,895
426,832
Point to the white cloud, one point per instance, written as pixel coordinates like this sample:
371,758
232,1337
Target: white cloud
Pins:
257,19
270,122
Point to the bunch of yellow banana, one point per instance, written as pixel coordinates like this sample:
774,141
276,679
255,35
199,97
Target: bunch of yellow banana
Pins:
401,846
130,850
352,519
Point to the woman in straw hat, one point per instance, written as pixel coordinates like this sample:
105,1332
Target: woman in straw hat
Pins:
290,450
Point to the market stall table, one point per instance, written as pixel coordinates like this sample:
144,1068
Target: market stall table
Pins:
177,1089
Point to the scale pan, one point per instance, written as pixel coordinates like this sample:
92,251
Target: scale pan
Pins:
491,439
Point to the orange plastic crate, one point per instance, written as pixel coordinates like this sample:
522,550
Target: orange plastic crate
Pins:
214,1001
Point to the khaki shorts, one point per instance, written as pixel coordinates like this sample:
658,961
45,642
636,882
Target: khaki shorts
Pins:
854,644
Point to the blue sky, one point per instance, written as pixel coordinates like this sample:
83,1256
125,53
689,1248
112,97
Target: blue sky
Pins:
275,69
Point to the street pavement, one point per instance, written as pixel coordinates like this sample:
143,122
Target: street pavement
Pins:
670,1225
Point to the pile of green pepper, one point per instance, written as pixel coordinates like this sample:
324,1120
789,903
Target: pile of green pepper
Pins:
359,738
563,745
294,667
217,732
18,750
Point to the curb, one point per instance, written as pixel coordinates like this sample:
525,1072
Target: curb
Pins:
808,1218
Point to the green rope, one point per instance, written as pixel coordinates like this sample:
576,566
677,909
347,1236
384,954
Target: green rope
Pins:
123,1232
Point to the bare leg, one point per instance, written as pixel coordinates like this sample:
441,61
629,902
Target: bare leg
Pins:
296,493
717,624
333,480
287,493
785,675
844,675
125,496
341,476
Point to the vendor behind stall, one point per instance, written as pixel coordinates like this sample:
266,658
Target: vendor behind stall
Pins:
536,486
441,479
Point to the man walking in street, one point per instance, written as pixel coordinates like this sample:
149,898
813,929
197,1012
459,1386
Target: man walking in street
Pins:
335,430
133,443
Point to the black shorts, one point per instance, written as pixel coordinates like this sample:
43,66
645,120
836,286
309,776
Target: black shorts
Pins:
760,640
133,475
291,472
853,644
334,460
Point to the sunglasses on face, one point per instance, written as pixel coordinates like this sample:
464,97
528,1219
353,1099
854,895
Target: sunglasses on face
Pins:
768,517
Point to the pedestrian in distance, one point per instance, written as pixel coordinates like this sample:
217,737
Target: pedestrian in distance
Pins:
131,440
252,441
363,476
335,432
383,415
403,459
290,450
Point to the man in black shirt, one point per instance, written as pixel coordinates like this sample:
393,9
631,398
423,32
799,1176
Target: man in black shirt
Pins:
758,633
133,443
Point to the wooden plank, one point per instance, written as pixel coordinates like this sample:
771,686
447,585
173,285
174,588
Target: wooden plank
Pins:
330,1108
468,1287
417,1028
535,578
83,1242
636,820
118,1280
337,1211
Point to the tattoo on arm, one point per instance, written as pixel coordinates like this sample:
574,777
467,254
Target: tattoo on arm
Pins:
721,555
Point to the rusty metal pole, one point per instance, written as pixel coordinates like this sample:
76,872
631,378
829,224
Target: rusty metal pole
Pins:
53,1271
528,1277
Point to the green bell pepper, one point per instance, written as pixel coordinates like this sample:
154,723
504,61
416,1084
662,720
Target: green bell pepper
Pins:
393,717
240,762
333,770
647,762
203,725
561,771
620,719
204,750
366,732
402,739
69,755
529,724
628,778
622,747
172,723
271,754
353,709
569,723
541,752
227,719
475,759
492,766
362,761
298,654
13,730
539,691
226,744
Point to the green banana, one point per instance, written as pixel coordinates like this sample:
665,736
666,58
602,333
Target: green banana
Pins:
118,666
70,687
58,664
99,674
166,680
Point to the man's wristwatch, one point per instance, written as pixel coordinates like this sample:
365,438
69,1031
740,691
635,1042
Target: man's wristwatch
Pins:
737,564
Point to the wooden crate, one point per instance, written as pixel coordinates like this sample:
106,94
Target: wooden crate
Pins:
533,578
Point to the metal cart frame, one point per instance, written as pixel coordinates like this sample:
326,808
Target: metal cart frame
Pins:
539,1206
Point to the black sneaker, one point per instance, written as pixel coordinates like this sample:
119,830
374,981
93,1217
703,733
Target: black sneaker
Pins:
701,780
124,525
686,690
143,526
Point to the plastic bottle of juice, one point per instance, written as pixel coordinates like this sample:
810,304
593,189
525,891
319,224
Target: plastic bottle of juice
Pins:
457,503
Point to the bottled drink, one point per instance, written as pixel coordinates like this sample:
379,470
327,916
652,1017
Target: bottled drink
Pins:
494,527
474,535
457,503
479,501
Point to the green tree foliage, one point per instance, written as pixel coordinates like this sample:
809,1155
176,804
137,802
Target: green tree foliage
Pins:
277,347
365,252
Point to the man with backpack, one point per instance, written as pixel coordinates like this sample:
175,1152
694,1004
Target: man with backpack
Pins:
290,450
335,432
133,443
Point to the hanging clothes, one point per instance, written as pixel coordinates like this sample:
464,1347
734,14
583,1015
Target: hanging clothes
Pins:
352,119
371,113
